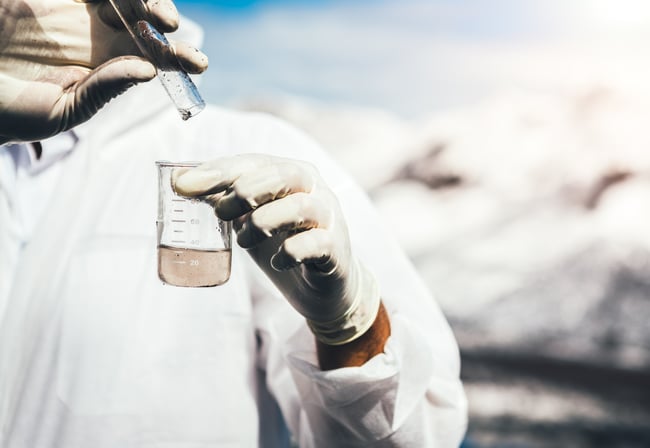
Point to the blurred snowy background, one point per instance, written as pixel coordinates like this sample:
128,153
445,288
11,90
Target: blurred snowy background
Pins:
508,144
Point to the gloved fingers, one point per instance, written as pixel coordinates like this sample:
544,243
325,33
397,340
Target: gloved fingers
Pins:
163,15
100,86
261,186
248,180
160,13
191,59
216,175
315,246
168,55
295,213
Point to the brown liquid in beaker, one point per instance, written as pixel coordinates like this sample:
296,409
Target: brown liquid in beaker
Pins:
193,268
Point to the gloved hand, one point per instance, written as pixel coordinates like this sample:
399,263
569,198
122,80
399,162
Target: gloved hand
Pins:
62,60
292,225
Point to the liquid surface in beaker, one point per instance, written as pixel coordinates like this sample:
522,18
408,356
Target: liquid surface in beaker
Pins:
191,267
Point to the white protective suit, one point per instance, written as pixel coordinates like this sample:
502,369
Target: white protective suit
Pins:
96,352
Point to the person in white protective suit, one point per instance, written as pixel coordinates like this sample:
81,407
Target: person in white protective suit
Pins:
324,336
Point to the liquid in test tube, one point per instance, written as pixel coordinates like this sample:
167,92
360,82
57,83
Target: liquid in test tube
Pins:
157,49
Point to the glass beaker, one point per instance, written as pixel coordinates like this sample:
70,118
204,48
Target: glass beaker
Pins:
194,245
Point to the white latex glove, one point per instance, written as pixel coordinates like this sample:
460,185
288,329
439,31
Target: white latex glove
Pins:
62,60
292,226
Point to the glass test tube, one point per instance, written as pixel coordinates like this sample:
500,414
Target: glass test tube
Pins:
158,51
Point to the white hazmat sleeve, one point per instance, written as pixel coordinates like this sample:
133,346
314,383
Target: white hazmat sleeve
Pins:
409,396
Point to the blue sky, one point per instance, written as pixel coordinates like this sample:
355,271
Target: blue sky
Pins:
415,57
249,5
465,17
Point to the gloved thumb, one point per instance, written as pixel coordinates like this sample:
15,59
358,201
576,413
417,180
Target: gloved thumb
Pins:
102,85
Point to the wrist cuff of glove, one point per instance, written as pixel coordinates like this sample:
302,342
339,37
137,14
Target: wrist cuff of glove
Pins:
357,319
